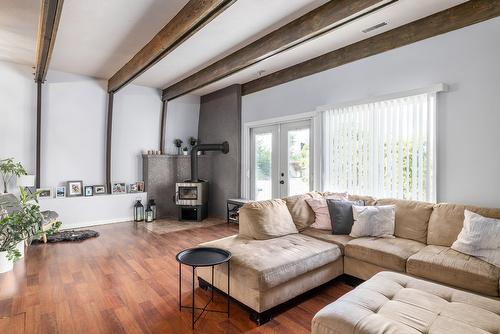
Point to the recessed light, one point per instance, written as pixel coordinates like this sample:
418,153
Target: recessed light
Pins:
380,25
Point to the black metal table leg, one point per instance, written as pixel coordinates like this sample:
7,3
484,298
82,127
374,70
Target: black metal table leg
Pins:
212,299
180,287
192,315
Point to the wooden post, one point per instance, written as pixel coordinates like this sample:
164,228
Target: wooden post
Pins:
38,131
163,126
109,131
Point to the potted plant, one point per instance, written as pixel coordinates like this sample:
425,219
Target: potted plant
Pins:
178,144
8,169
23,225
185,150
192,141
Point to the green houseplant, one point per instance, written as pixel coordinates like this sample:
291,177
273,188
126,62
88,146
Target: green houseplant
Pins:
23,225
8,169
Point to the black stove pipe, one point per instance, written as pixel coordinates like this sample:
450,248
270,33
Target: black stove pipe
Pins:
224,148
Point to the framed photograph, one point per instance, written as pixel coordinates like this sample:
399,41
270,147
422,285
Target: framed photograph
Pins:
89,191
118,188
45,192
132,188
74,188
140,186
100,189
60,192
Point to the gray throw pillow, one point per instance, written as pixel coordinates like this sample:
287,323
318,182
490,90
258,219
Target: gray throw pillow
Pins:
341,215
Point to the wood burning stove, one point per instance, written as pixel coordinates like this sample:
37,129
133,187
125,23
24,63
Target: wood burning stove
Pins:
191,196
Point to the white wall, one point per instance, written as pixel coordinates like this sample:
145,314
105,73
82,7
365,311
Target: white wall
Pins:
17,115
136,129
468,115
182,121
74,127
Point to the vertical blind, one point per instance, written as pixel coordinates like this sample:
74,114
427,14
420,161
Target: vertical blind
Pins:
383,148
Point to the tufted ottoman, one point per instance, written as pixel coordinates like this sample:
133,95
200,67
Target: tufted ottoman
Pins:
395,303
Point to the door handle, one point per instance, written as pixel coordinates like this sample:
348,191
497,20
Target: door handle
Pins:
282,182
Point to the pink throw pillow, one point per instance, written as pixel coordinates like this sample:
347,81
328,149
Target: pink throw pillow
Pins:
322,219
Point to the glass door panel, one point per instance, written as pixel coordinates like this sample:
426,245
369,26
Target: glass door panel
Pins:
295,158
264,162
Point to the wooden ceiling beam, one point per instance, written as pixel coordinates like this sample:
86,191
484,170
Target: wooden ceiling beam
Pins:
192,17
48,23
316,22
457,17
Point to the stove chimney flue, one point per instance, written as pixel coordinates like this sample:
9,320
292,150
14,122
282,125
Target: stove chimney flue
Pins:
224,148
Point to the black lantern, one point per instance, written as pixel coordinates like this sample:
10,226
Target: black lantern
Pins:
138,211
152,204
148,217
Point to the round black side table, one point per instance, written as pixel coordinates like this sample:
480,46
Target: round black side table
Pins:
202,257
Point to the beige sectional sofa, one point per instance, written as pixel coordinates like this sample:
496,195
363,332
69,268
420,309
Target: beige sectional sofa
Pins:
267,273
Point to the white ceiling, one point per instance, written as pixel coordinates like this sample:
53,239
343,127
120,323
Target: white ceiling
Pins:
240,24
18,28
397,14
97,37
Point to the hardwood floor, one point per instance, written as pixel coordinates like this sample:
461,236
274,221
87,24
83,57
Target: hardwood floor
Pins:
126,281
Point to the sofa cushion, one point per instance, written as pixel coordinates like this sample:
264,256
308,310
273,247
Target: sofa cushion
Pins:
412,218
388,253
264,264
265,220
367,200
302,214
338,239
447,220
443,264
396,303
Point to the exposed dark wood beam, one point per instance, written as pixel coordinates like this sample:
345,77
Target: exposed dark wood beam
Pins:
109,132
192,17
47,30
318,21
38,133
457,17
163,126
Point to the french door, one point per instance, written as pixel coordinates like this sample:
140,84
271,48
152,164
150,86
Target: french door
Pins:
281,160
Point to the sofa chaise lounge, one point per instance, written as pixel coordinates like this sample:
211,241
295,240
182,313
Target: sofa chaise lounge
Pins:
267,273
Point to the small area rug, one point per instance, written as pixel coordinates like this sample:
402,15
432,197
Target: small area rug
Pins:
168,225
72,235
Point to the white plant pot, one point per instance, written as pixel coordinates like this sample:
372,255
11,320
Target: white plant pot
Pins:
20,248
5,264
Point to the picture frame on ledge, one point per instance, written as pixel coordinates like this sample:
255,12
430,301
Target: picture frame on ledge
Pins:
60,192
132,188
74,188
89,191
99,189
44,192
140,186
118,188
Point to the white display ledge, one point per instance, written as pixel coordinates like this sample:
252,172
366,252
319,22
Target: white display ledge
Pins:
75,212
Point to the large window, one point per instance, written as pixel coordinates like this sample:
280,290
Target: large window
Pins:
384,148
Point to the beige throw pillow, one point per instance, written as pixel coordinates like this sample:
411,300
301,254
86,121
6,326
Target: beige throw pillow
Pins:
373,221
302,214
480,237
265,220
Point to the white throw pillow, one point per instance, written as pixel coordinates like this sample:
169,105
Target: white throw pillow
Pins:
480,237
373,221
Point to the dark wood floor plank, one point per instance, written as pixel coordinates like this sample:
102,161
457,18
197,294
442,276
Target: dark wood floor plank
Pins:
126,281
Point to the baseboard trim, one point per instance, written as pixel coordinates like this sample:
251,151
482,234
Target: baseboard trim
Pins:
96,223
